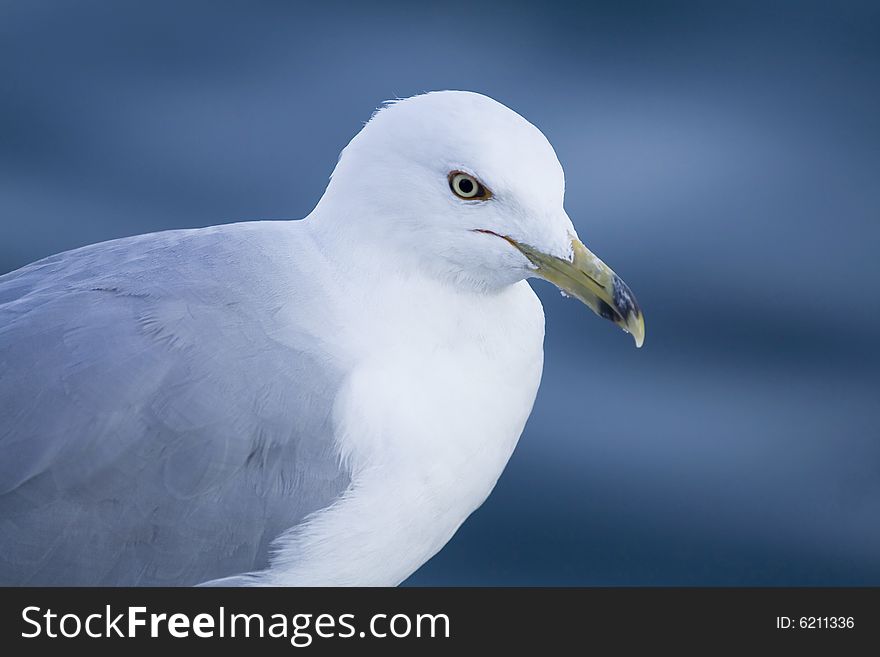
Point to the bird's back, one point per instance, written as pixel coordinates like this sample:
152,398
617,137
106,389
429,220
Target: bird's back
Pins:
164,407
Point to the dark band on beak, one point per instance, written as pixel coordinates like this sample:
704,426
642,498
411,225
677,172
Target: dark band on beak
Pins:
624,301
607,312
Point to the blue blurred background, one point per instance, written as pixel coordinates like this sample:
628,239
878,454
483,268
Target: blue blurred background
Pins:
724,158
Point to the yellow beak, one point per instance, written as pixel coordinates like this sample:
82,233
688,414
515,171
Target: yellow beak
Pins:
593,282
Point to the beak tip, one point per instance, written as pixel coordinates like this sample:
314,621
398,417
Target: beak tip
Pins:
637,330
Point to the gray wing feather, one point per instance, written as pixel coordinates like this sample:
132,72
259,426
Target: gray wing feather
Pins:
164,414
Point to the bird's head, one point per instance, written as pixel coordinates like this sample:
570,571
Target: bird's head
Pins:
473,192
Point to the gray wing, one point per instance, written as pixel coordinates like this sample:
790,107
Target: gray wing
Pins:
163,413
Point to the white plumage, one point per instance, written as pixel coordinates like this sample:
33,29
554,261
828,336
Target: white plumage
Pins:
309,402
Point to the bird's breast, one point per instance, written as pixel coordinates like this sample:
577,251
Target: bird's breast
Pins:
456,384
430,423
437,394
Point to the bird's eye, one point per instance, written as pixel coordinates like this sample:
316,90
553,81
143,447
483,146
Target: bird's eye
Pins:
465,186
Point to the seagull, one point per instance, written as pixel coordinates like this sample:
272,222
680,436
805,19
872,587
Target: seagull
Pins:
318,402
